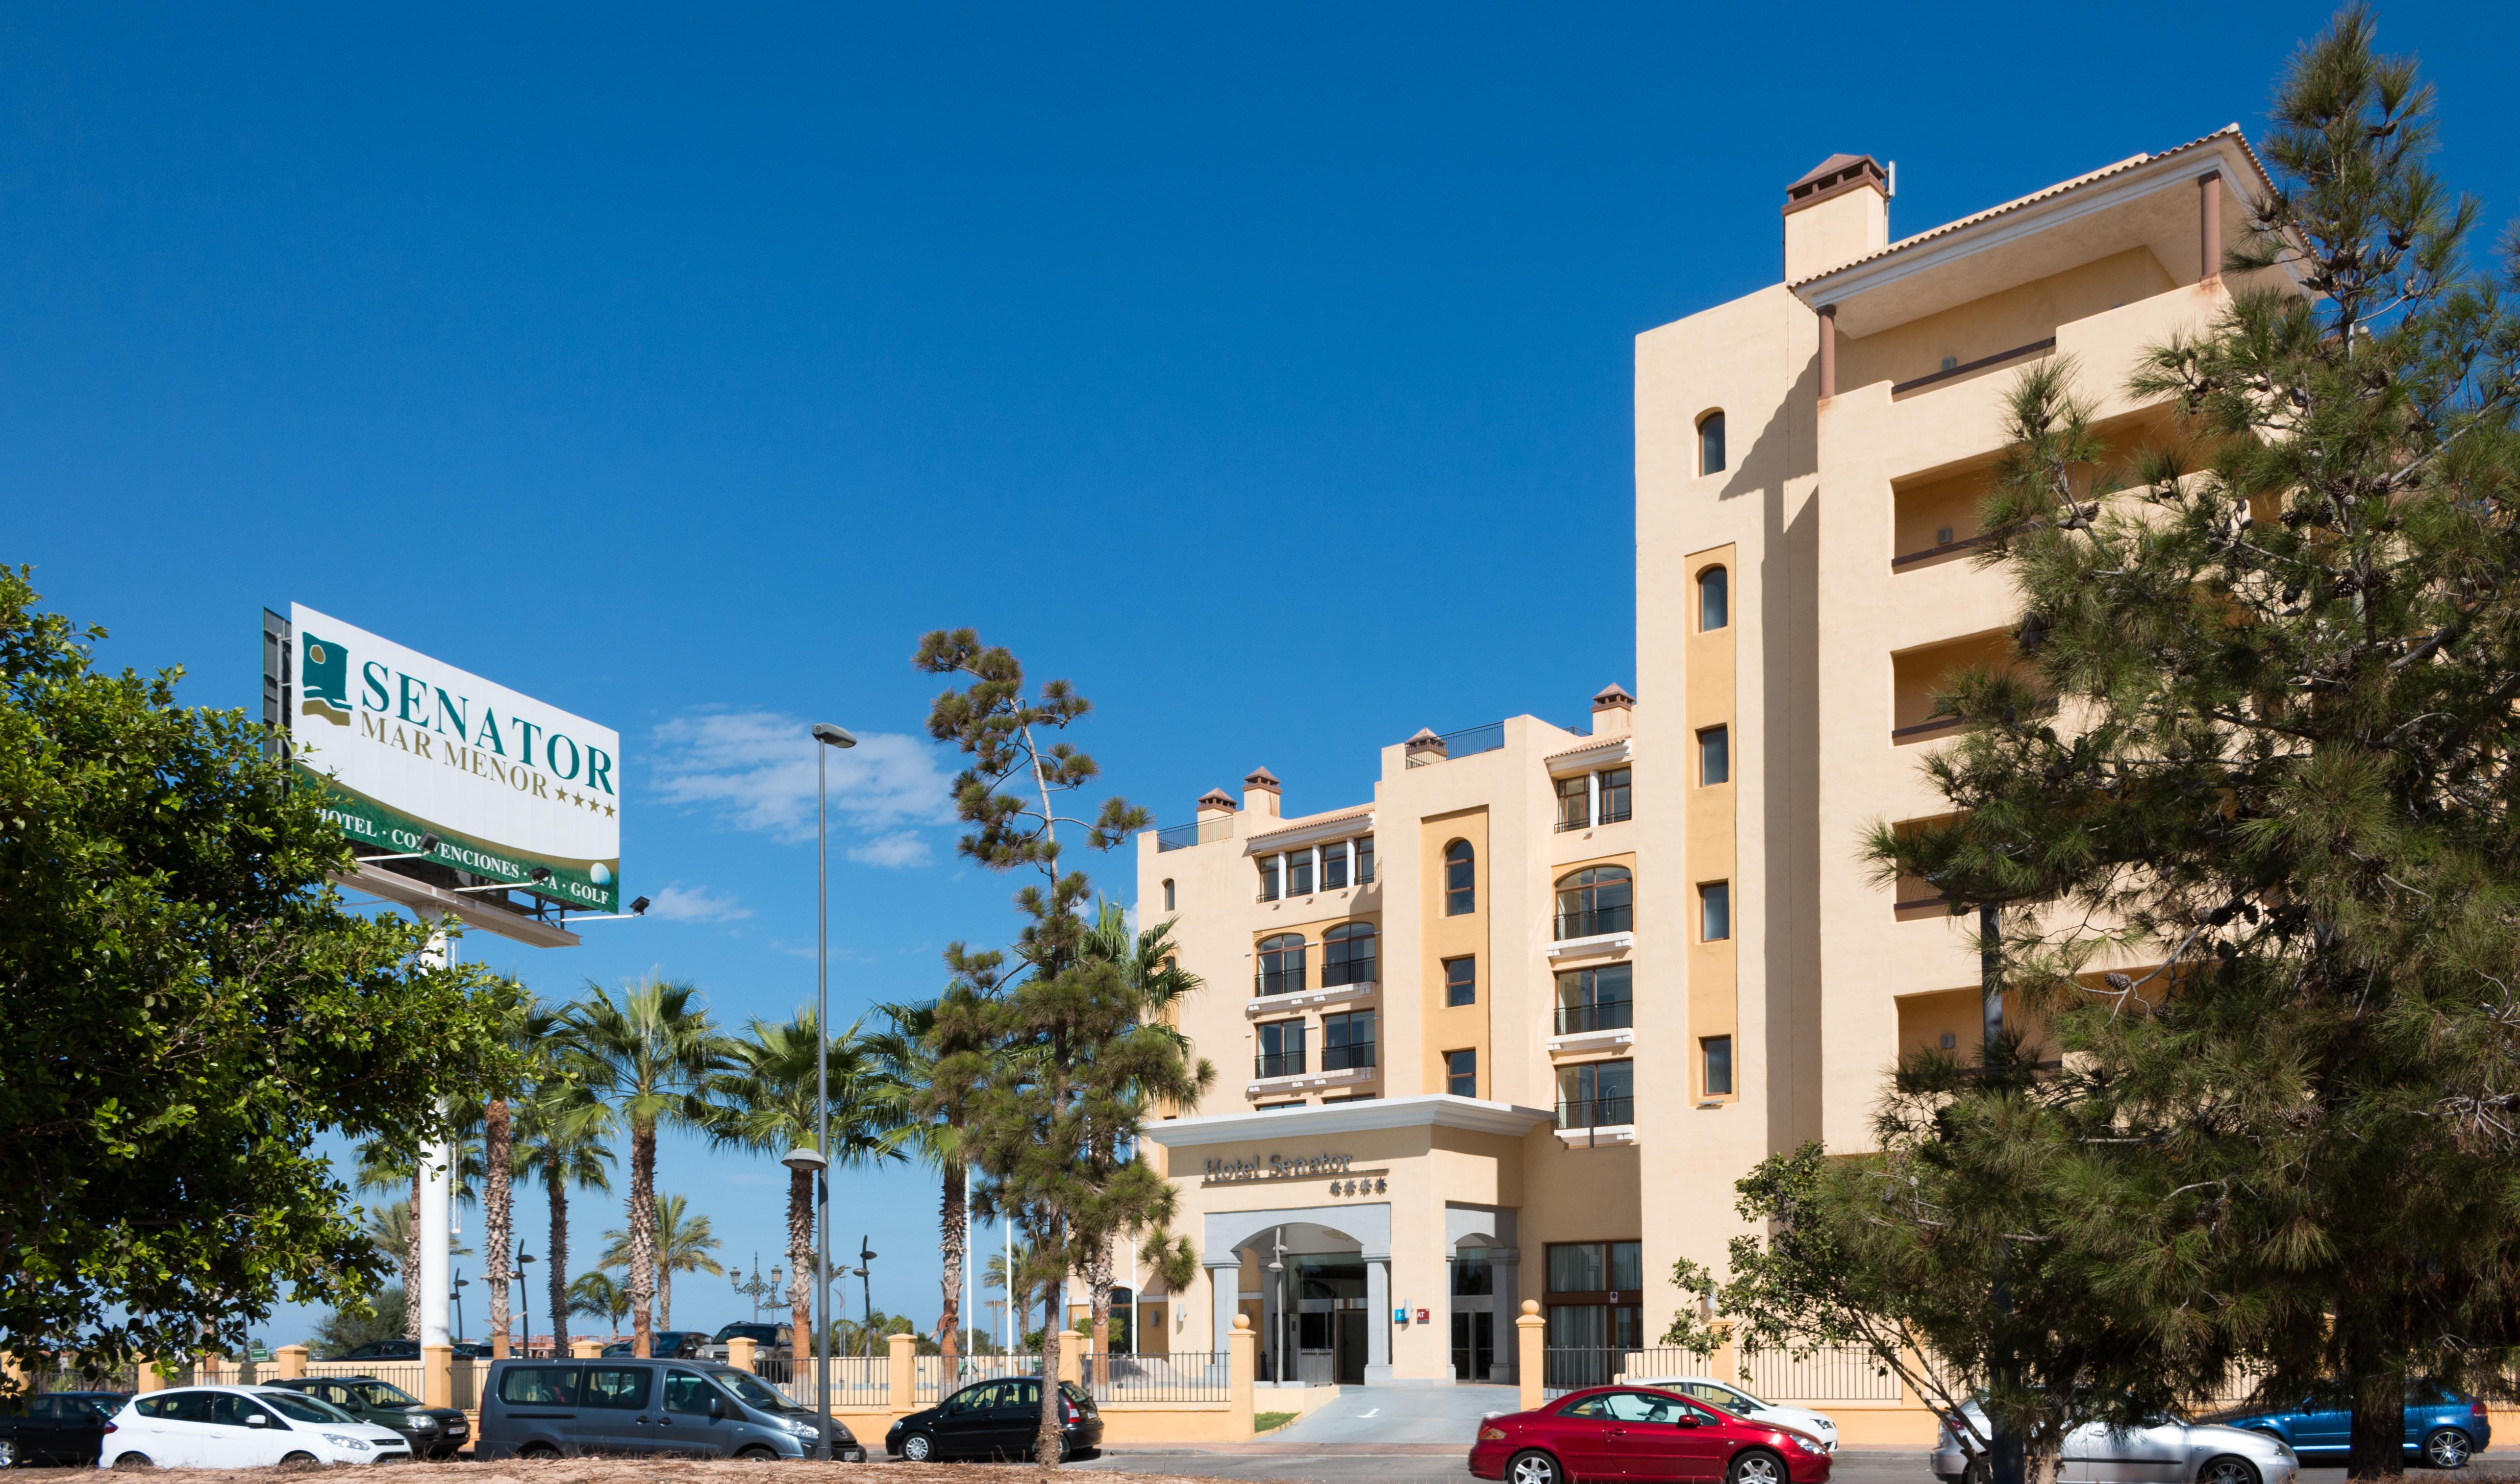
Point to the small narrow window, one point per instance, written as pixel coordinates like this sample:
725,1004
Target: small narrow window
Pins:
1715,756
1719,1066
1460,893
1574,803
1460,982
1614,795
1268,879
1714,600
1365,860
1461,1073
1710,443
1169,894
1715,912
1299,873
1334,866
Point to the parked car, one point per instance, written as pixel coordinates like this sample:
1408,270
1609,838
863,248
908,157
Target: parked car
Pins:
2443,1430
995,1419
433,1432
1640,1432
57,1427
774,1339
2169,1449
241,1427
1726,1397
666,1345
538,1408
408,1350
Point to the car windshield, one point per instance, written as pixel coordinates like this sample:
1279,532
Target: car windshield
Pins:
385,1394
754,1392
299,1406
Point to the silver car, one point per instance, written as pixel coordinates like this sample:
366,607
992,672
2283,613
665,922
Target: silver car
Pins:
2172,1451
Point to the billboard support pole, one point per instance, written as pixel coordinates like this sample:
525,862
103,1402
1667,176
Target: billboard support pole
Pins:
433,1221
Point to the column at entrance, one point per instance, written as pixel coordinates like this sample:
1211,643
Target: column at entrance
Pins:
1504,1301
1378,1319
1226,1278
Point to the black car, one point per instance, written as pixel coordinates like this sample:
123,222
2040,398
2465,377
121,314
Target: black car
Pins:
408,1350
57,1427
666,1345
995,1419
434,1433
770,1339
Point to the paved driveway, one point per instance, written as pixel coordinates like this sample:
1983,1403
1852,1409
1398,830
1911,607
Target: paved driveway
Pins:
1388,1415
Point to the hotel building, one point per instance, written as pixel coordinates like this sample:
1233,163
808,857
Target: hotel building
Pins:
1512,1026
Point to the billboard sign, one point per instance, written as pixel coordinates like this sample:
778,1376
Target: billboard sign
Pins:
410,745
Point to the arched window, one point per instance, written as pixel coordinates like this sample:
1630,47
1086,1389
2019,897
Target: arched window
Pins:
1461,891
1710,443
1169,894
1596,899
1714,600
1347,955
1281,964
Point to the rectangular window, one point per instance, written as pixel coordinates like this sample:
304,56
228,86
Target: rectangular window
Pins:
1365,860
625,1388
1334,866
1595,1267
1268,879
1461,1073
1299,873
1461,879
1715,756
1347,1041
1719,1066
1715,912
1597,999
1460,982
1282,1048
1596,1095
540,1386
1614,795
1574,803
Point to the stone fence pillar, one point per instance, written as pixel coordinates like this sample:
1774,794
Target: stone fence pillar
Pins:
1530,1336
291,1361
586,1350
1069,1344
1242,1368
902,1371
437,1375
743,1354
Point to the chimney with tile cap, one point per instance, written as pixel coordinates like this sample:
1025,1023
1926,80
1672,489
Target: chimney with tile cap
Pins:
1216,801
1837,213
1614,711
1260,793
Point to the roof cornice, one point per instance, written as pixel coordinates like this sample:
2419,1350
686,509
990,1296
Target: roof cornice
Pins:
1440,1110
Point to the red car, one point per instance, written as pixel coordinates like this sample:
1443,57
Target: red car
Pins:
1640,1432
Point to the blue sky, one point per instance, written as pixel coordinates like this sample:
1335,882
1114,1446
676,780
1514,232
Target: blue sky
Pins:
1265,370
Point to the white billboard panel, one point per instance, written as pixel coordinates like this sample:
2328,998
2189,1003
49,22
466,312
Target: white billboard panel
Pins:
412,745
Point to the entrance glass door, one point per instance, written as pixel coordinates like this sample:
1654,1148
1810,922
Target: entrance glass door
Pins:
1474,1346
1351,1347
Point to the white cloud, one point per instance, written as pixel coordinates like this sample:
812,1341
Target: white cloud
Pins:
756,770
900,848
698,904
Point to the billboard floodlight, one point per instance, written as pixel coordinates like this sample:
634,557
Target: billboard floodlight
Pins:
638,908
427,847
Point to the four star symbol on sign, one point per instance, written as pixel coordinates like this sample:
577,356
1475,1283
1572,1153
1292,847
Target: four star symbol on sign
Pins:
585,801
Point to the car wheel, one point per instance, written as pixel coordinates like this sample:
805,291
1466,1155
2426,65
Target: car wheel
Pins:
758,1455
132,1461
2226,1468
298,1456
2447,1448
8,1453
1756,1465
918,1448
538,1451
1534,1468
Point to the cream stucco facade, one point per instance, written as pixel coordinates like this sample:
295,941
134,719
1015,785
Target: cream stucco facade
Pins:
1597,972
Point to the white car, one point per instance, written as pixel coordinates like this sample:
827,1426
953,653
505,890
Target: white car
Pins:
2171,1450
240,1427
1732,1399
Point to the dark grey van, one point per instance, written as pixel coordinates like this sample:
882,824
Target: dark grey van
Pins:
544,1409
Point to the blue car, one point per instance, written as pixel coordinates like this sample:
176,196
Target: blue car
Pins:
2445,1433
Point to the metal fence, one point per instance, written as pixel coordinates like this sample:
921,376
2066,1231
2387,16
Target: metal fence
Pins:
1216,827
409,1375
71,1378
1183,1376
1839,1373
930,1381
857,1380
466,1395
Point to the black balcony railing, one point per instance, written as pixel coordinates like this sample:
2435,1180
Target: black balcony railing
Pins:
1347,1058
1282,1064
1612,814
1353,972
1277,982
1608,1015
1595,1112
1602,919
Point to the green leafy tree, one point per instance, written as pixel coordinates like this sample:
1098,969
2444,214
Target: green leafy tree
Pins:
2246,798
1070,1061
597,1296
768,1099
358,1322
650,1053
188,1009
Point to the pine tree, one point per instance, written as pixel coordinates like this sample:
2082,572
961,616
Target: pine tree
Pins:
2245,797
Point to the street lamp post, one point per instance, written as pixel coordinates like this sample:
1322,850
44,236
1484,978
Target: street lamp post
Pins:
830,736
865,1289
524,1299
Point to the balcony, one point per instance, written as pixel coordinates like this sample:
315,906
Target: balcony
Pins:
1276,981
1216,827
1602,1123
1282,1064
1618,814
1347,1058
1607,1015
1598,923
1295,997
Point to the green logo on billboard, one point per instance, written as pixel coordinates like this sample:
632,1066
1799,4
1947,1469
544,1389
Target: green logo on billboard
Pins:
324,679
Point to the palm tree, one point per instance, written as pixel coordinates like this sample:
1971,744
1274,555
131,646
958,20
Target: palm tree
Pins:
597,1296
1020,1287
765,1101
562,1133
683,1245
650,1052
394,1231
921,1054
531,1028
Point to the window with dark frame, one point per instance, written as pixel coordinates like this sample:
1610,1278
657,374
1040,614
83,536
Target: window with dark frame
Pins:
1594,1305
1595,999
1169,894
1461,872
1282,965
1461,1073
1461,981
1596,900
1334,866
1347,1041
1715,912
1574,802
1595,1095
1282,1048
1710,444
1365,860
1714,756
1719,1066
1714,600
1268,879
1299,873
1614,795
1348,955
